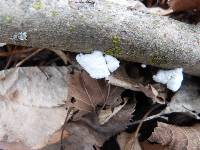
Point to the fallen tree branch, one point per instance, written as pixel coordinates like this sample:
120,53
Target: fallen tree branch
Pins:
85,25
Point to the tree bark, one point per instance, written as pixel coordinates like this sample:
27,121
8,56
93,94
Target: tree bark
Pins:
86,25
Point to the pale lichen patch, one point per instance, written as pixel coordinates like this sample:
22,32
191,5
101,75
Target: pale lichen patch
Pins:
21,36
37,5
7,19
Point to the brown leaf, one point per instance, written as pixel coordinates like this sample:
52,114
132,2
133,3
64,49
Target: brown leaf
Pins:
87,92
55,138
87,132
150,3
116,124
13,146
184,5
33,126
30,104
127,141
106,114
35,86
185,101
177,138
81,137
187,98
149,146
120,78
124,138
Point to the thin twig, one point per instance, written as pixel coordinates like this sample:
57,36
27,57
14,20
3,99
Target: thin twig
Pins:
99,89
28,57
10,58
83,82
107,95
149,118
68,117
195,114
135,135
6,54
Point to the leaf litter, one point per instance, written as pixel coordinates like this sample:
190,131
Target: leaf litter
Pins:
35,99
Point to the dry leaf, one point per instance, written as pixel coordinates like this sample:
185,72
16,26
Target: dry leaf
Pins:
187,98
33,126
30,104
88,132
13,146
81,137
121,79
34,86
177,138
55,138
184,5
116,124
149,146
86,93
127,141
124,137
105,115
185,101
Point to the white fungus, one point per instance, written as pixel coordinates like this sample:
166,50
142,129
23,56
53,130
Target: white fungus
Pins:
143,65
173,78
112,63
2,44
98,65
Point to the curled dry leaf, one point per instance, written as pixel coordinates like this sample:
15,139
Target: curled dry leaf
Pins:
185,101
85,93
120,78
177,138
30,104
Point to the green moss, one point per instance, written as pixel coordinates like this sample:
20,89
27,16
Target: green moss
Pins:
158,60
7,19
116,40
87,51
71,28
116,49
54,13
38,5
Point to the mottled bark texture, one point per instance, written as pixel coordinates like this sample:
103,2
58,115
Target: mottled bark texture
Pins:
85,25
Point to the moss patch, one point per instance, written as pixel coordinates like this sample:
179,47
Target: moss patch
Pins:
158,60
38,5
116,49
54,13
7,19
